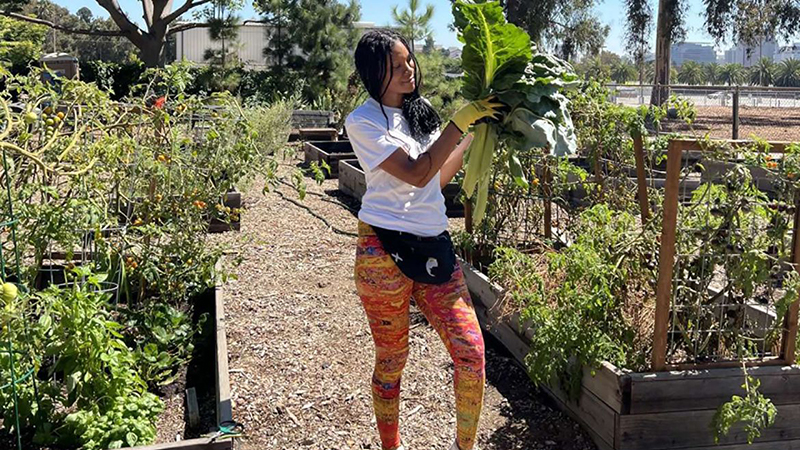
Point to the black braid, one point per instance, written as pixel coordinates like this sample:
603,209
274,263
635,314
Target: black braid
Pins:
371,53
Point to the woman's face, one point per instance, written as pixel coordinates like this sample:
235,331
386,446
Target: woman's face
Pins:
399,72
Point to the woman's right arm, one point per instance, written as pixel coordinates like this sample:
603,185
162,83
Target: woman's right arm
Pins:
420,172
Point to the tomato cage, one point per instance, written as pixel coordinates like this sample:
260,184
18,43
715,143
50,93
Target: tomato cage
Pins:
544,212
18,385
727,281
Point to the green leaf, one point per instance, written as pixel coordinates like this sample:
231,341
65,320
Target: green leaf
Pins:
515,166
495,53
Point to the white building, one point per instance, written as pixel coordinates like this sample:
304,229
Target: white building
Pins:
749,55
701,52
191,45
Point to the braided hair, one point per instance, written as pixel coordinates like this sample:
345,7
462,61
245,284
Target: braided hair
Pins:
371,54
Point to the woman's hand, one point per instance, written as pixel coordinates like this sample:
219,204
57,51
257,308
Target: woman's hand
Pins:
475,111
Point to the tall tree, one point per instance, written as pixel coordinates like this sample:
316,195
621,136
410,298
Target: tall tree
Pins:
319,37
20,44
86,48
691,73
566,26
277,14
731,74
158,15
412,25
788,73
622,72
762,73
669,29
637,33
711,73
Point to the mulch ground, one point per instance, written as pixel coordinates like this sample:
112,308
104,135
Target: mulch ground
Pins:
772,124
301,353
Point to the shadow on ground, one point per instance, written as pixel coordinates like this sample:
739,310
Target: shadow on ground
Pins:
534,421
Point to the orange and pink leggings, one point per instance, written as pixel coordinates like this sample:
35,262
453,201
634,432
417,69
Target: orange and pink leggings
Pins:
385,293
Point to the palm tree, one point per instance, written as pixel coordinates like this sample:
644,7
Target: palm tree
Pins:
413,26
711,73
690,73
788,73
731,74
623,72
762,73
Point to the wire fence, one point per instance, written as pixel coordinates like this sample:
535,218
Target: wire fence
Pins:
727,112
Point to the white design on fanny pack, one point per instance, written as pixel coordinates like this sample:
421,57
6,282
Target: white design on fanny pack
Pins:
432,263
396,257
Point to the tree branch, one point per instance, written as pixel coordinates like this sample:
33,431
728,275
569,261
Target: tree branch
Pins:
189,26
190,4
123,22
58,27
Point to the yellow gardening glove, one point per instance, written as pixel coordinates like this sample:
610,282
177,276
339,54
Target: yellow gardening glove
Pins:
476,111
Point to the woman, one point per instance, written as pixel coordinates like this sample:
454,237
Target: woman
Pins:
404,249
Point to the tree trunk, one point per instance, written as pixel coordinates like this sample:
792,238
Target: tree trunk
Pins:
663,49
150,51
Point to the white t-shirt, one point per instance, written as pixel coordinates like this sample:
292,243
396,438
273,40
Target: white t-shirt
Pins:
390,202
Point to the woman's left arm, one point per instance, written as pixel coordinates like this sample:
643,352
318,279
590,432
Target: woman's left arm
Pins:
455,161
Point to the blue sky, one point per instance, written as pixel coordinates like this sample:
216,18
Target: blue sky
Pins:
611,12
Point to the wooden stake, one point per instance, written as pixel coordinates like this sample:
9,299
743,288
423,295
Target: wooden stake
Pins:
641,181
666,258
789,339
548,202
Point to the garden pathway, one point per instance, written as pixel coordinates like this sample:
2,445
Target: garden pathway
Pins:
301,354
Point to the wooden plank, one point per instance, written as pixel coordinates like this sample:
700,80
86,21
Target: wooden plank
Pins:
223,385
480,286
708,389
591,412
641,177
666,257
779,445
190,444
192,409
608,384
789,337
691,429
352,180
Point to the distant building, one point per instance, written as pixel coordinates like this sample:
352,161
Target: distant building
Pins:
454,52
701,52
191,45
749,55
791,51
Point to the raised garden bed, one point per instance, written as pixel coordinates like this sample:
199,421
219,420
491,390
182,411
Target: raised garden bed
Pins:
669,410
330,152
352,182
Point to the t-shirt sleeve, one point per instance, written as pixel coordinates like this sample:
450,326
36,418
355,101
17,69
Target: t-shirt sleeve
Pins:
371,143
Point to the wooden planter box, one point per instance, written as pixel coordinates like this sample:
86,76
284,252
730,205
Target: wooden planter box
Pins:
222,387
353,183
351,178
623,410
311,118
331,152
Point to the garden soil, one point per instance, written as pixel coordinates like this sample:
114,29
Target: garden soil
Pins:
301,353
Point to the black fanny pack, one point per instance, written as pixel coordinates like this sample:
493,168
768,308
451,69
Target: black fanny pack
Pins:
430,260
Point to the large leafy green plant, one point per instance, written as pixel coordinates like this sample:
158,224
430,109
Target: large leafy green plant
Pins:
498,60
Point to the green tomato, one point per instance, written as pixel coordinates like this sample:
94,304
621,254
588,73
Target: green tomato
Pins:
30,117
9,292
50,122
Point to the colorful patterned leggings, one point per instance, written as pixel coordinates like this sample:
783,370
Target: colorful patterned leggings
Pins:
385,293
